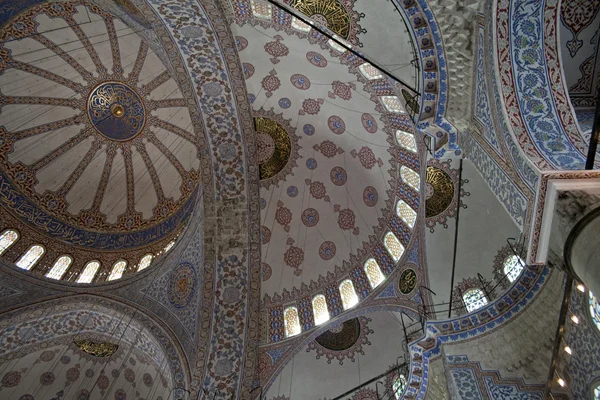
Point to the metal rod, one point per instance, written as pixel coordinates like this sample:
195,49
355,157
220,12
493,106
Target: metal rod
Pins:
591,157
560,329
369,381
455,237
302,18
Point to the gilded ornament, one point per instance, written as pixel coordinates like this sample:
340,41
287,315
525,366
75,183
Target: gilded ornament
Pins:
439,191
408,281
330,11
102,349
274,147
116,111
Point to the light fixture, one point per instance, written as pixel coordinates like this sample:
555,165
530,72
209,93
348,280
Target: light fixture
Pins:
574,319
581,288
568,350
561,382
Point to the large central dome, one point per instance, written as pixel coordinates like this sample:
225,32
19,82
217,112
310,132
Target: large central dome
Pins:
98,146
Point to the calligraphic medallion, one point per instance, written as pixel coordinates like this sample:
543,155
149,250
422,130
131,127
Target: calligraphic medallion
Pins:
408,281
102,349
439,192
116,111
330,13
273,147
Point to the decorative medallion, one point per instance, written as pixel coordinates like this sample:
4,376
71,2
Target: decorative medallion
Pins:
408,281
441,198
316,59
116,111
370,196
310,217
182,285
338,176
329,13
300,81
343,341
336,125
96,349
327,250
576,16
277,147
369,123
266,271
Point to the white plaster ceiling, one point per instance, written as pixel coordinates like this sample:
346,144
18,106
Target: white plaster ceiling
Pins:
344,218
101,189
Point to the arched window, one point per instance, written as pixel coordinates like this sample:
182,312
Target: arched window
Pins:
7,239
29,259
474,299
117,270
348,294
336,46
513,267
299,25
291,322
410,177
60,267
373,272
169,246
399,385
597,393
89,272
393,104
408,215
393,246
370,72
406,140
595,310
320,310
261,9
145,262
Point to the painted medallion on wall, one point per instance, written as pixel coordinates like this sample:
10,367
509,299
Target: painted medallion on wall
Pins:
343,341
408,281
116,111
336,15
182,285
96,349
276,146
441,194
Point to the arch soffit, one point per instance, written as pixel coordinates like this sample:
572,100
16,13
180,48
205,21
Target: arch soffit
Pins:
157,334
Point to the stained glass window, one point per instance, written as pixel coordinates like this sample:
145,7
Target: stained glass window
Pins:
474,299
393,246
410,177
59,268
299,25
291,322
145,262
595,309
513,267
408,215
597,393
392,104
320,309
399,385
117,271
7,239
261,9
89,272
169,246
28,260
370,72
373,272
406,140
336,46
348,294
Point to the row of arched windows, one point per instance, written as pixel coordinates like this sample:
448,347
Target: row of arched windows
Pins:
475,298
28,260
